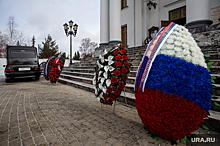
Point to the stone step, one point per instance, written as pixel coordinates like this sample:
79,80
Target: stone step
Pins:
89,87
215,69
81,67
85,64
76,78
79,74
89,80
79,70
216,62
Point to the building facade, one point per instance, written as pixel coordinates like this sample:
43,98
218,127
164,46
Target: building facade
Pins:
134,22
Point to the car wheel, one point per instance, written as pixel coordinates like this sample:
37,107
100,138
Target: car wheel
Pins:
7,80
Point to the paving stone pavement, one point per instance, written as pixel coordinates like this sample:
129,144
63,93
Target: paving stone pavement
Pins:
40,113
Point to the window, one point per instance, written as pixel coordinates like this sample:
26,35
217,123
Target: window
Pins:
23,53
124,35
123,4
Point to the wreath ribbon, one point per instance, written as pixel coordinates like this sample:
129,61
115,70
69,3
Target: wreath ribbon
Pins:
47,65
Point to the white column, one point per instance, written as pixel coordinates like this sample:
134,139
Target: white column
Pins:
115,21
197,13
104,21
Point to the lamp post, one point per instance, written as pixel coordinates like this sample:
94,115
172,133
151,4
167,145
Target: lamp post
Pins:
70,32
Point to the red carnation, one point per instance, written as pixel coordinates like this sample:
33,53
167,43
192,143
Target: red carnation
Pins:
109,89
124,77
118,64
124,70
117,72
123,51
112,97
105,95
121,47
114,80
124,57
126,64
118,58
121,85
116,52
117,92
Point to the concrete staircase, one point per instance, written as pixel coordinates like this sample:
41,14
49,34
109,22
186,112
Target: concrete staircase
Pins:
80,75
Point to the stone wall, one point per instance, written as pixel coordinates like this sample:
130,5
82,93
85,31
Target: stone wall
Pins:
207,36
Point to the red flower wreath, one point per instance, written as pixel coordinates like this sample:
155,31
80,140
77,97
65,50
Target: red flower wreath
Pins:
112,75
57,67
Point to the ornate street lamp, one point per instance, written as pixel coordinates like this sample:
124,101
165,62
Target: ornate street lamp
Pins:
151,4
66,28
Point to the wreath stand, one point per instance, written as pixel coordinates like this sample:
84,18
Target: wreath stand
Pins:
126,104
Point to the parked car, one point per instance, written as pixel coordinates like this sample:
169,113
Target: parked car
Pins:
22,62
42,65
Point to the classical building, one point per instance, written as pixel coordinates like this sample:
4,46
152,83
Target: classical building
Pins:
134,22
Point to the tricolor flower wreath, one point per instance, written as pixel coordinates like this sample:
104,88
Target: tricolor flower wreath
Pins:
172,86
47,68
57,67
53,67
111,75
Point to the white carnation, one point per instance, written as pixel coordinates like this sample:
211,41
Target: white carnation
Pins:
164,52
186,52
179,55
170,41
178,28
177,33
185,46
195,61
163,47
194,54
178,43
184,40
203,64
98,98
178,38
172,36
190,43
188,58
170,52
177,49
200,53
170,47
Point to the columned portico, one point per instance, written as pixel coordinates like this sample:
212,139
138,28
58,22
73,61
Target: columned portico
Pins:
104,22
115,22
104,27
197,13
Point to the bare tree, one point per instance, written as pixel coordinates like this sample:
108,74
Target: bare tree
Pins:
13,34
3,41
87,48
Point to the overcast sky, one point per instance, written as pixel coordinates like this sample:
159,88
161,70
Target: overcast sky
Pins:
43,17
